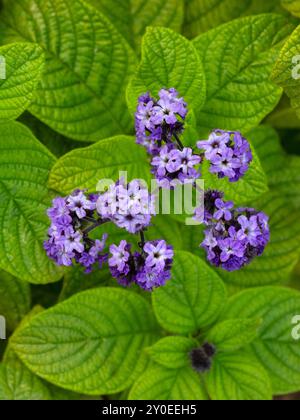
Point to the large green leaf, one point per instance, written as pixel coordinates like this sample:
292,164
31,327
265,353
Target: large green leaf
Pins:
91,343
168,60
84,168
132,17
286,71
19,384
203,15
15,299
27,379
238,58
293,6
233,334
173,352
24,198
238,376
88,64
161,383
281,254
275,348
23,68
192,299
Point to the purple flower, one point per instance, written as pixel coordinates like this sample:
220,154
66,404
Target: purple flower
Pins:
250,229
188,160
149,269
120,257
67,242
99,246
128,206
233,240
157,120
224,164
173,166
149,279
87,261
168,160
223,210
79,204
59,209
210,242
231,247
214,145
229,154
206,215
159,255
144,114
72,242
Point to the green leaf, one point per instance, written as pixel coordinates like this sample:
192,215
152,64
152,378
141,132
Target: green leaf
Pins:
88,64
192,299
19,384
293,6
15,299
233,334
23,68
168,60
161,383
91,343
237,376
24,198
132,17
55,142
286,72
201,16
84,168
12,361
281,254
249,188
282,170
275,348
284,116
238,58
173,352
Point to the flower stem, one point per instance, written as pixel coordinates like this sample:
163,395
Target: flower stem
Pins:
181,146
143,240
96,224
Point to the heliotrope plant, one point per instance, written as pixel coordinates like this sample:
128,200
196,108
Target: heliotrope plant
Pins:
233,238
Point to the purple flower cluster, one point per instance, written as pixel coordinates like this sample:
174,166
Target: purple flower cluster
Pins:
149,269
67,241
172,165
130,207
158,120
234,237
229,154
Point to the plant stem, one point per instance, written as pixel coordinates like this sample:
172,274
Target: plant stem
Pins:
96,224
143,241
181,146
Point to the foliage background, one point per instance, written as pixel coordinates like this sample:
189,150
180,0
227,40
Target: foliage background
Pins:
74,71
